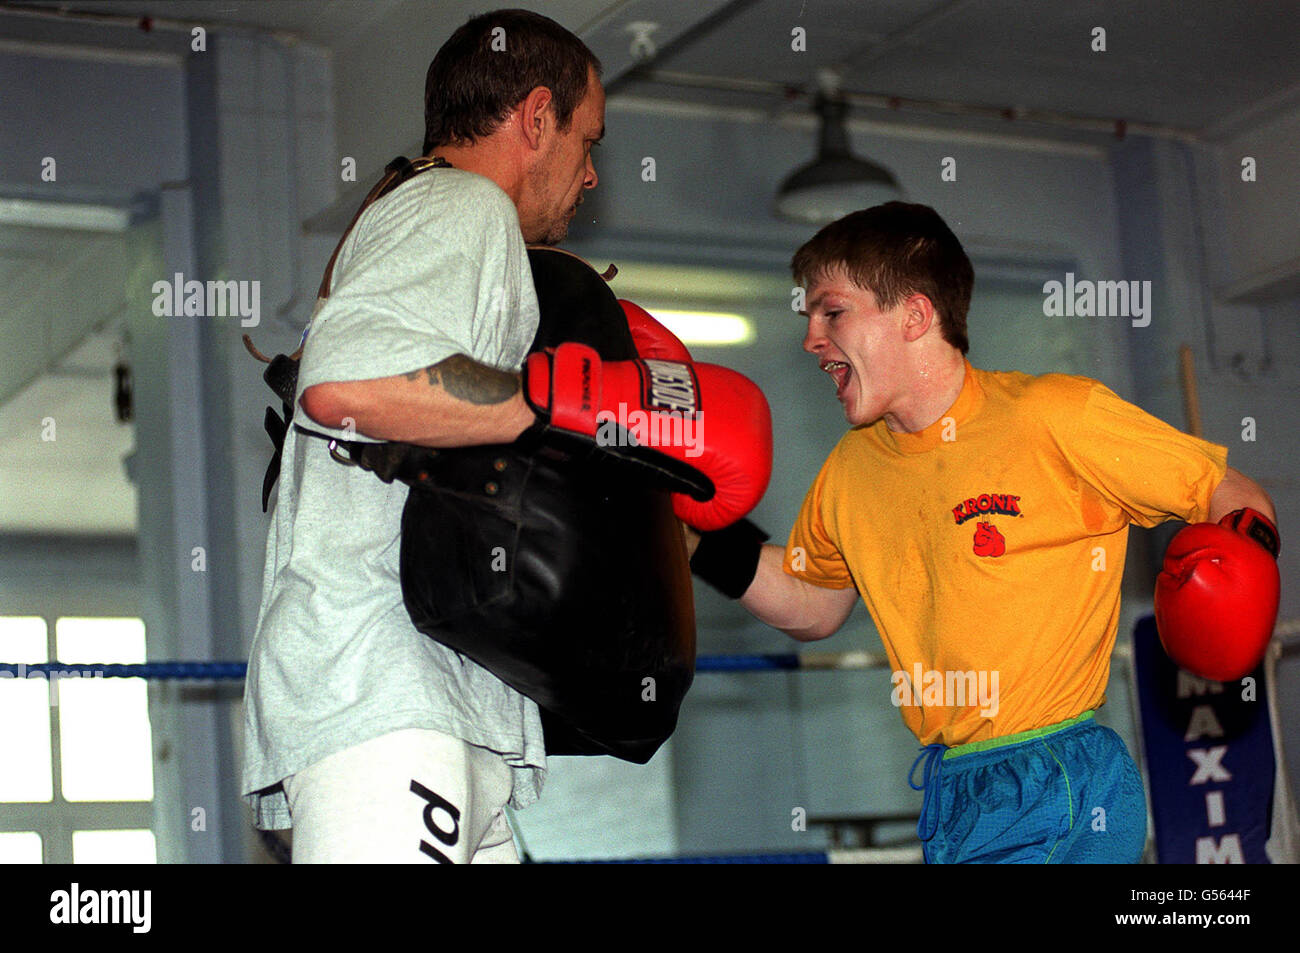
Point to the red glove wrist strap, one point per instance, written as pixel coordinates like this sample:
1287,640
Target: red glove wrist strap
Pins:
1256,525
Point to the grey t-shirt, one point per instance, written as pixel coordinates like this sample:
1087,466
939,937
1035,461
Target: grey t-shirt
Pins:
437,267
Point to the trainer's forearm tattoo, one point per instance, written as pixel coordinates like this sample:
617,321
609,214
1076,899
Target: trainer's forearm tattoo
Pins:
468,380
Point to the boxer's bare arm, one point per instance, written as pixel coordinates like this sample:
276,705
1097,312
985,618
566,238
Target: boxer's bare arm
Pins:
799,609
1238,490
456,402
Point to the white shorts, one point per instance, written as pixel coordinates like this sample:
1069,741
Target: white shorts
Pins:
409,797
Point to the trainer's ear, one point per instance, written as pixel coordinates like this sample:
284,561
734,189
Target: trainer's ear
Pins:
536,115
918,316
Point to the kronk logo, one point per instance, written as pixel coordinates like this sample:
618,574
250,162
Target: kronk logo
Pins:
988,541
984,504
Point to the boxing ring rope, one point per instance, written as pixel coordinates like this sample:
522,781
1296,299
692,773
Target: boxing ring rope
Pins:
233,671
846,855
772,662
162,671
1284,645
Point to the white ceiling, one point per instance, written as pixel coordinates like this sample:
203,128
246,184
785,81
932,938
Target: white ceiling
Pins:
1200,68
1188,64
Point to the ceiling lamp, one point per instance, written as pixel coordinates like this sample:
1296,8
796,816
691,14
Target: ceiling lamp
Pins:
837,182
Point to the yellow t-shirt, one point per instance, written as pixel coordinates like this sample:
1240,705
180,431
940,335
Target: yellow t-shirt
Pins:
989,547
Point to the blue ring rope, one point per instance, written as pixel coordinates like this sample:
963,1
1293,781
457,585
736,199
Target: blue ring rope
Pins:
222,671
808,857
747,663
206,671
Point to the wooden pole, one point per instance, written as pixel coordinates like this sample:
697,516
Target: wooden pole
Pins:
1191,401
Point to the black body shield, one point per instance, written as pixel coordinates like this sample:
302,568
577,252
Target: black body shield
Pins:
559,571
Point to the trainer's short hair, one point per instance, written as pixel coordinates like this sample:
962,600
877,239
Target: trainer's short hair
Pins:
894,250
491,64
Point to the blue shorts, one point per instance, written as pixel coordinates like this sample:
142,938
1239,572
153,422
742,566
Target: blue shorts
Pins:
1065,794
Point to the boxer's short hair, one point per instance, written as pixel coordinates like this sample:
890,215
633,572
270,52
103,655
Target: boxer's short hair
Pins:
894,250
491,64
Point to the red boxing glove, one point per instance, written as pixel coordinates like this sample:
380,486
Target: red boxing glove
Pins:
1217,596
701,430
753,465
651,338
735,435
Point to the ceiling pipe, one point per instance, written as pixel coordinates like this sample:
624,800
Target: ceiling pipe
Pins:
1117,128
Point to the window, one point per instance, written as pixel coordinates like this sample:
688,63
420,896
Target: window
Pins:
78,780
22,847
24,704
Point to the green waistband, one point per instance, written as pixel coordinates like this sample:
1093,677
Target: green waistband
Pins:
959,750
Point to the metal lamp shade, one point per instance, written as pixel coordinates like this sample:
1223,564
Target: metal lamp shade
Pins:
837,182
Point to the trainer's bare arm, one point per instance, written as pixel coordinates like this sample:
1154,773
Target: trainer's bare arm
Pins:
799,609
456,402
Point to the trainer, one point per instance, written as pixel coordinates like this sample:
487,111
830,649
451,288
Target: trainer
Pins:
378,743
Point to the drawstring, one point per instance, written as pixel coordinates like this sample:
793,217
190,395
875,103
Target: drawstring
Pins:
933,757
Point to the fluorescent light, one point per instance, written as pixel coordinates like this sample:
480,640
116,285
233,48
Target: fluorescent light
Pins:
91,218
706,327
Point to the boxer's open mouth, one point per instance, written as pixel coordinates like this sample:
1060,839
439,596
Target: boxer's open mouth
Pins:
840,373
